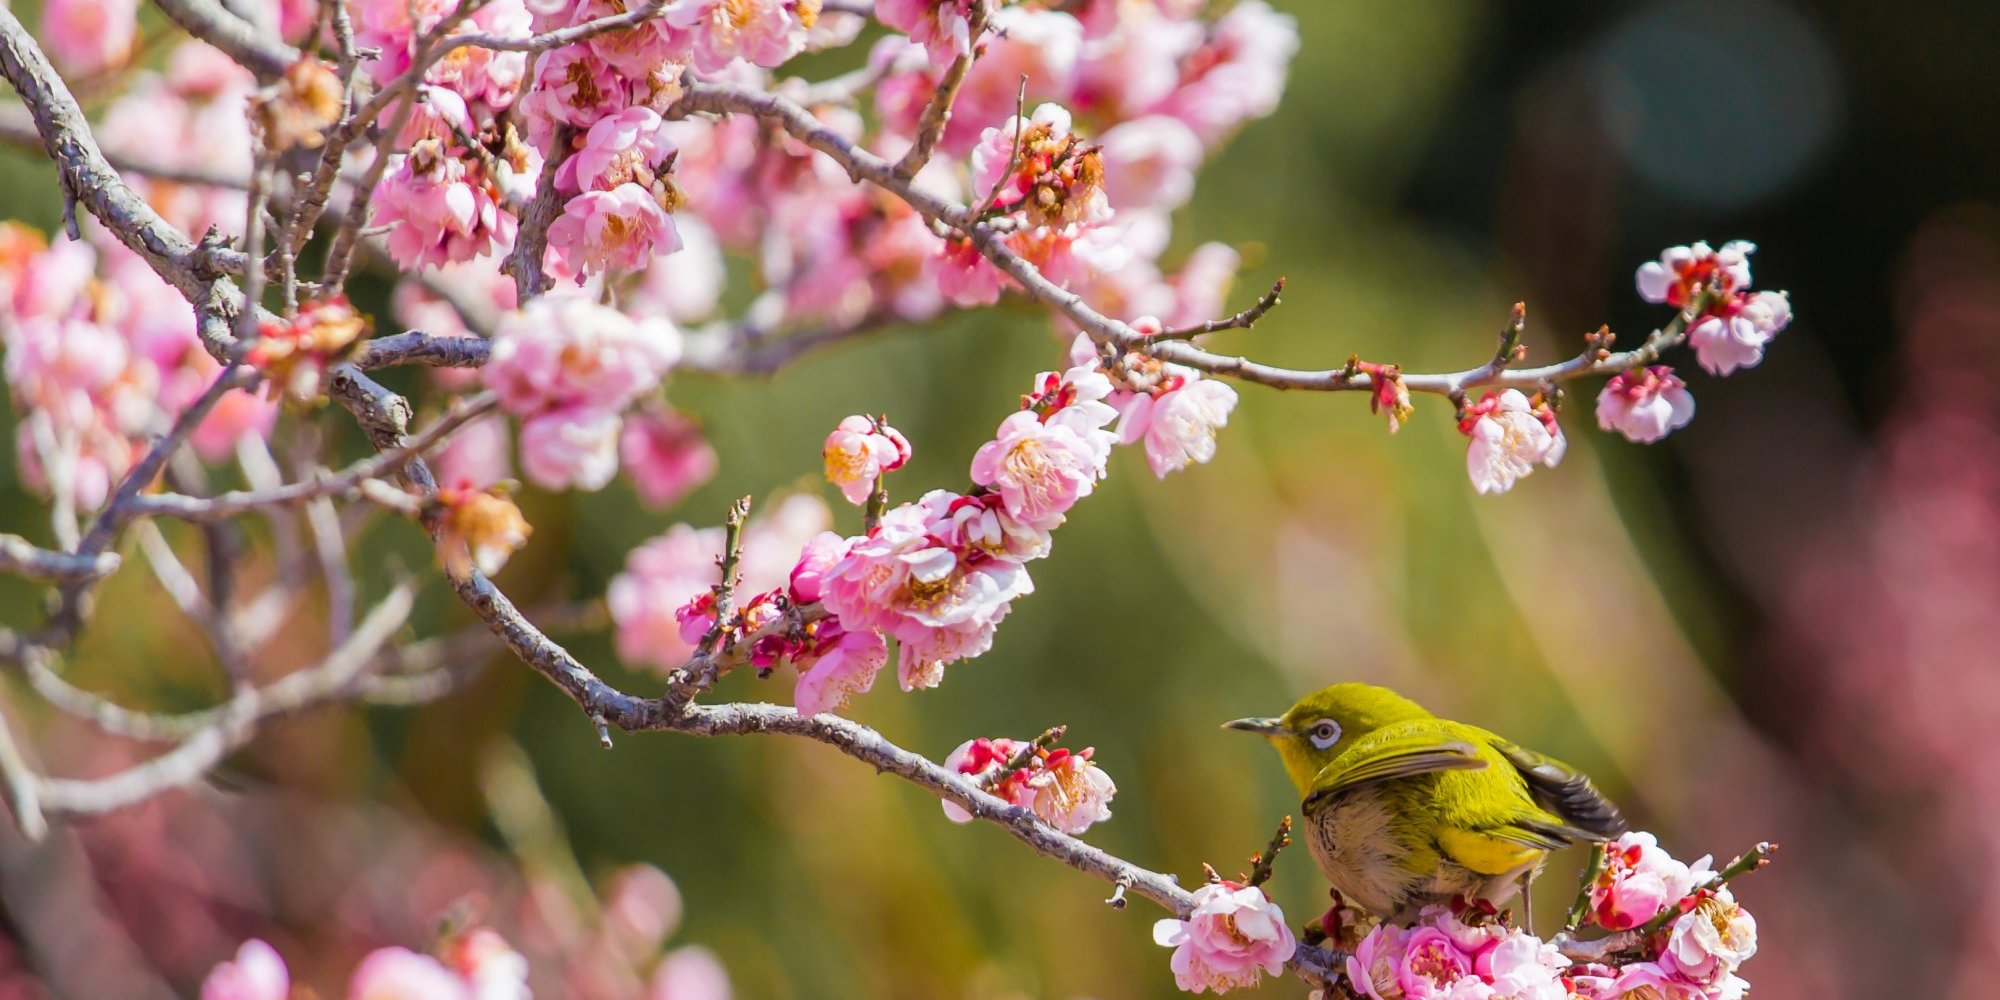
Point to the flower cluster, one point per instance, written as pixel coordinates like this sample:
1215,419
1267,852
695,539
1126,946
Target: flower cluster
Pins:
1684,937
662,603
1234,936
1460,953
474,964
1169,409
568,367
448,200
1735,324
100,354
1065,788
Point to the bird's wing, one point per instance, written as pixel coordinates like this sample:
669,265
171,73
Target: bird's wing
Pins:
1563,790
1394,751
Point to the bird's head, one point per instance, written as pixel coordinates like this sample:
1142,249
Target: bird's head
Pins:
1327,722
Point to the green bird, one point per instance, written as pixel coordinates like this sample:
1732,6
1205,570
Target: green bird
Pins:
1403,808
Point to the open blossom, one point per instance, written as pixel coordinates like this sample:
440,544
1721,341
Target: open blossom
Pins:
1178,424
845,664
620,229
1645,404
1039,469
89,36
1639,881
257,973
1071,792
1734,334
567,349
1708,943
1234,935
858,452
1681,272
627,147
1509,438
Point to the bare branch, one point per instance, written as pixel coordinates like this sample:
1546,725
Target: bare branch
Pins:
20,558
243,41
234,723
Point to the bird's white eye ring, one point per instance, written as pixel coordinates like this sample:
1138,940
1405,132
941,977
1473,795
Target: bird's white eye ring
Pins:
1325,733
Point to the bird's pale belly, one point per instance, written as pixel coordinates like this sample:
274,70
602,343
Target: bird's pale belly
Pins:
1379,868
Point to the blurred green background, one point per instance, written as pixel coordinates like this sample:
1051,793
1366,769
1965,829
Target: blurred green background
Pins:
1771,626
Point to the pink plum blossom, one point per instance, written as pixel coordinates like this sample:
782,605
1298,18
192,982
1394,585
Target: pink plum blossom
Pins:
1710,942
847,666
666,456
819,555
1132,57
1234,935
1178,425
1645,404
1149,163
1039,469
257,973
571,446
1432,964
561,350
942,27
1735,334
664,575
1509,438
689,973
984,761
622,148
438,213
89,36
764,32
476,456
1681,272
940,602
573,88
1238,74
1375,969
660,576
858,452
620,229
401,974
1071,793
1639,881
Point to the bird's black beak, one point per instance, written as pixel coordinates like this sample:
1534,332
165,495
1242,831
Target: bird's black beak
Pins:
1262,726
